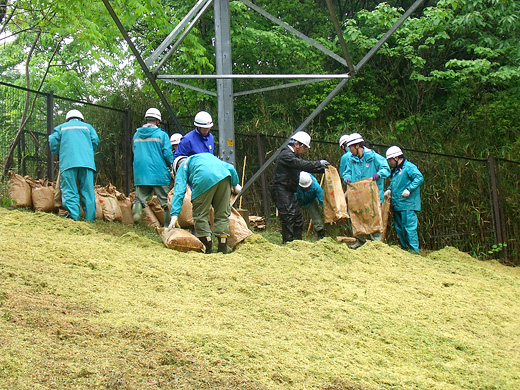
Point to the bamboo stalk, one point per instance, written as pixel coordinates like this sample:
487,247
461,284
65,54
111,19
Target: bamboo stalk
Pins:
242,184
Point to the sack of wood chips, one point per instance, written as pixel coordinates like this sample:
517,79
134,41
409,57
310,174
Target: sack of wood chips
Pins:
150,218
180,240
109,205
185,219
57,192
238,228
334,204
42,194
19,191
365,207
126,209
155,206
385,212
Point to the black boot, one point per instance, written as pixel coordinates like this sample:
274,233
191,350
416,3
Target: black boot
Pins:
222,244
321,234
208,244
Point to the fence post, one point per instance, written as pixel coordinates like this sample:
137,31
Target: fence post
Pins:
497,206
263,181
50,127
128,151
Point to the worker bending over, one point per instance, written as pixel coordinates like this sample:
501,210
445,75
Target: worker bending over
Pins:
310,196
211,181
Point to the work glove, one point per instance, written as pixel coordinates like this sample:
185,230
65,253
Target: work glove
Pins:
324,163
347,181
375,176
236,189
388,193
173,222
405,194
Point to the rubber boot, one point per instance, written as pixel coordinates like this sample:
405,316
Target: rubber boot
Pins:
137,210
167,217
222,244
208,244
321,234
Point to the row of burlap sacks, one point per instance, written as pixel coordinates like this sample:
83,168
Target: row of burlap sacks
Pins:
360,203
112,205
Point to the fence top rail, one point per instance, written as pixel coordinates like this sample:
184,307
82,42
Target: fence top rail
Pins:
61,97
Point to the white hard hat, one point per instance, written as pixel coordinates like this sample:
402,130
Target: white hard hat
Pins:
177,162
305,179
354,138
153,113
175,139
203,119
74,114
303,138
343,139
393,151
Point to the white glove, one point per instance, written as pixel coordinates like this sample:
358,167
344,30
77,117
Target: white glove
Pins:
236,189
388,193
405,194
173,221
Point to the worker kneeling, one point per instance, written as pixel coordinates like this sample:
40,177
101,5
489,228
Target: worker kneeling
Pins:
211,181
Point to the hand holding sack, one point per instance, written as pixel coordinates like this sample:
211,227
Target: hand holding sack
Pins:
236,189
173,222
375,176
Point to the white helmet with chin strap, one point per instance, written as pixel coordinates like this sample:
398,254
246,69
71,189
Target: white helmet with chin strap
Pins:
343,139
354,138
153,113
303,138
305,179
203,119
393,151
175,139
74,114
178,161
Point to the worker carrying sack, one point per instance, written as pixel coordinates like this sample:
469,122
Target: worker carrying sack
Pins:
364,207
334,204
180,240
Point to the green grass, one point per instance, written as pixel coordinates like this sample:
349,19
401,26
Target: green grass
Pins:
107,306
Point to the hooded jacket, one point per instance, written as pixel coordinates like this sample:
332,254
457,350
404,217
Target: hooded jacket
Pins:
75,142
406,177
152,156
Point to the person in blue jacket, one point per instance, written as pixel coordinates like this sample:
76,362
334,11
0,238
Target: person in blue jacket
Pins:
211,181
346,155
365,163
200,139
405,189
152,159
75,142
310,196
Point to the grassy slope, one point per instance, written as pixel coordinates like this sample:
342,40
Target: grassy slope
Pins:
85,309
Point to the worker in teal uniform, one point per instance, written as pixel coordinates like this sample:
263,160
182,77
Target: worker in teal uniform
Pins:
75,142
211,181
405,189
310,196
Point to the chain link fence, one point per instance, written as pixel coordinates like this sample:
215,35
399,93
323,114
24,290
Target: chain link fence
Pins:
471,204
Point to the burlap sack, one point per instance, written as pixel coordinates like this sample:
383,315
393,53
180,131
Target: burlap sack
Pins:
109,205
334,204
180,240
19,191
185,219
42,194
385,212
238,228
155,206
99,209
149,218
364,207
126,209
57,192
